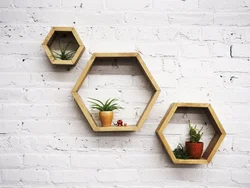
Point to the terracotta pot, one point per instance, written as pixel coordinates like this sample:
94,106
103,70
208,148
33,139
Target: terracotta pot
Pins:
106,118
194,150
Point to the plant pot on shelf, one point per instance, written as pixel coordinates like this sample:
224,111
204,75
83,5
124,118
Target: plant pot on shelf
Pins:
194,149
106,118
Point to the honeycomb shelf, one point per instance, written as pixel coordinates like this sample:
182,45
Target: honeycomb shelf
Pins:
212,146
52,37
86,112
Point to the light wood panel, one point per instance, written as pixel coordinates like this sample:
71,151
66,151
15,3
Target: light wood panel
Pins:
52,35
86,112
212,146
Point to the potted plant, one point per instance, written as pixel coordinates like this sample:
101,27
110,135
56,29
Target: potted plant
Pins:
106,110
194,147
180,152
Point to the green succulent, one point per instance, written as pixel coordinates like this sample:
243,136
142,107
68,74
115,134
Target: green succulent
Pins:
108,105
195,134
64,54
180,152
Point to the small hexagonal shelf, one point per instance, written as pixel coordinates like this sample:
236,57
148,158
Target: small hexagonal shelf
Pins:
212,146
54,41
86,71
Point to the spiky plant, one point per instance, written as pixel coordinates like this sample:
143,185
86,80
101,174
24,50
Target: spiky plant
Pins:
180,152
108,105
64,54
195,134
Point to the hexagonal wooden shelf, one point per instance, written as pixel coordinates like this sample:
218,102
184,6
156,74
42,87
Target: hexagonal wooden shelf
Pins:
51,37
84,109
214,143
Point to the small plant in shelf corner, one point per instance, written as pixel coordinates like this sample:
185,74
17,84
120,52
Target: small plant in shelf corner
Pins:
106,109
180,152
194,147
64,54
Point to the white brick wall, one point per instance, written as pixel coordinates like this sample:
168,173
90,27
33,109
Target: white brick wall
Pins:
197,51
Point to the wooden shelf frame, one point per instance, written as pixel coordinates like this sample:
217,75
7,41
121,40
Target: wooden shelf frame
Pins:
86,112
50,37
212,146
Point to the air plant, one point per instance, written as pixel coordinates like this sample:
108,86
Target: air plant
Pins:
64,54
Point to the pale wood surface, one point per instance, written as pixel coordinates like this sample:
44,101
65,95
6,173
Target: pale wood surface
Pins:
85,111
212,146
49,38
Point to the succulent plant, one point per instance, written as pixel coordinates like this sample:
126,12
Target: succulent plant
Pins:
195,134
180,152
108,105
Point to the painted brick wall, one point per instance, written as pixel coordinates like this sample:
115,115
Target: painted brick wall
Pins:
197,50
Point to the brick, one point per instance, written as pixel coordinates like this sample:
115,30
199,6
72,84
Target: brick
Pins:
191,18
175,5
227,96
198,67
84,4
194,50
53,17
103,33
116,81
230,65
13,161
220,50
9,126
217,176
48,95
234,35
72,176
126,33
140,96
52,161
12,95
162,77
22,48
190,33
241,50
11,175
152,18
38,176
162,50
114,46
14,16
31,110
129,5
241,145
149,175
6,3
168,33
232,19
53,126
121,175
212,34
225,161
40,4
94,161
201,82
241,176
101,18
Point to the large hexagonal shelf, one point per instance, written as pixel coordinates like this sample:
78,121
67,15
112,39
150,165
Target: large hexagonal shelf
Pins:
69,35
147,75
212,146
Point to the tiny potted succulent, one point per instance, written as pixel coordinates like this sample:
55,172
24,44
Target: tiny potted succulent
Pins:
180,152
106,110
194,147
